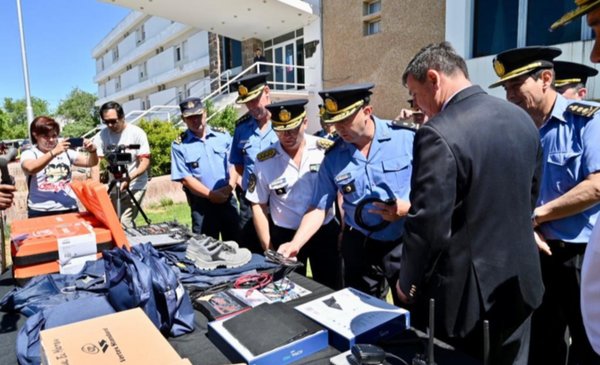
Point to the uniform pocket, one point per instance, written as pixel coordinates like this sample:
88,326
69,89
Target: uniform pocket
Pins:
562,170
397,172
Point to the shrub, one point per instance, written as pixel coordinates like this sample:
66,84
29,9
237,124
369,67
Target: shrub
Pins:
160,136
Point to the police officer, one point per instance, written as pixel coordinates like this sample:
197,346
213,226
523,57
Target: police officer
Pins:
286,176
199,162
253,133
567,206
590,272
570,79
370,162
327,129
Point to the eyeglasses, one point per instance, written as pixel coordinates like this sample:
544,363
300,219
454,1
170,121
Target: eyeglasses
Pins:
110,121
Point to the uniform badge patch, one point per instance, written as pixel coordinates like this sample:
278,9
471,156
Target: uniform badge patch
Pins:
314,167
266,154
252,183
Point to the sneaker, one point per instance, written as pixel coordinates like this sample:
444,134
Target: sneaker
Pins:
234,245
209,253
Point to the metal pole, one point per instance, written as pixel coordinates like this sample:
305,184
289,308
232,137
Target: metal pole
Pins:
29,107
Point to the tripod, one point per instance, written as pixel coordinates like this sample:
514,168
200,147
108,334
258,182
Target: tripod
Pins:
119,173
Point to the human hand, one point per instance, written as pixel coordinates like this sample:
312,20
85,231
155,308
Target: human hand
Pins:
89,145
217,197
125,183
60,147
391,212
403,297
6,196
541,243
288,250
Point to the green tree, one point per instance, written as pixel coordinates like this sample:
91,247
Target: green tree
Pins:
160,136
16,113
79,109
224,119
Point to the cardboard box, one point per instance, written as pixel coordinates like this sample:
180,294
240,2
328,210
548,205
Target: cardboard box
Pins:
355,317
36,242
127,337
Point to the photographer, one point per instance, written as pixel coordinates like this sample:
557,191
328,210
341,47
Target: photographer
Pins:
47,166
116,134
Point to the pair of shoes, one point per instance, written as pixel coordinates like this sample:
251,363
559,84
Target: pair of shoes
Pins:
209,253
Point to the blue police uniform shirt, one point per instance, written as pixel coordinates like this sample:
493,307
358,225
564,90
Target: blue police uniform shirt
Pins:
206,160
384,174
248,141
571,152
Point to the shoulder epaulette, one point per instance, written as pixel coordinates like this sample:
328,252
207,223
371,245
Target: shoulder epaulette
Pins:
336,142
404,124
244,118
179,138
266,154
583,110
324,143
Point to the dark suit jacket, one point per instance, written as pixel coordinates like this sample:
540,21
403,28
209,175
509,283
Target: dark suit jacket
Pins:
468,239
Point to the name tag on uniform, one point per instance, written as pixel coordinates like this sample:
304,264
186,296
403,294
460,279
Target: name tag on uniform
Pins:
340,178
279,186
314,167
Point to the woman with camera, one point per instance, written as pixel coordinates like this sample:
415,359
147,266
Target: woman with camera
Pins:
47,165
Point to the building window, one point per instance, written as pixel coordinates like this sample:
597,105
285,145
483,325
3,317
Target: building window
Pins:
143,71
118,83
131,97
371,17
115,54
140,35
371,7
179,52
504,24
372,27
545,12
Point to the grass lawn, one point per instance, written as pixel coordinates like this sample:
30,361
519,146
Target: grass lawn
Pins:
167,212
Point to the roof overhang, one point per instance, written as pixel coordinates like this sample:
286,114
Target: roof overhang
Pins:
241,20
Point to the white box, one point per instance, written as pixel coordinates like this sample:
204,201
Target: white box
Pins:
355,317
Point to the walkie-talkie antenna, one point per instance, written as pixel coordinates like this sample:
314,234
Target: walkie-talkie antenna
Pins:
430,357
486,342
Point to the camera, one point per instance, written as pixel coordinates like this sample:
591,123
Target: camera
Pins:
117,158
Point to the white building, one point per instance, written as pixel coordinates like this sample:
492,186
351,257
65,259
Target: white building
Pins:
147,60
480,29
170,50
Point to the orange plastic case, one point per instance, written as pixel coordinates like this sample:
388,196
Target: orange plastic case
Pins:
34,241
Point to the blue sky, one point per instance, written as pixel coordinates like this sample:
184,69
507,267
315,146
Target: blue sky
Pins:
59,36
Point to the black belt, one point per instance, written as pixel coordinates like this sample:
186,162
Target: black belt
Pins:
560,244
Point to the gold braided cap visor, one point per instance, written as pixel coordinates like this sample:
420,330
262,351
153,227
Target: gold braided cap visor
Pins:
289,125
334,117
251,95
563,82
517,72
583,7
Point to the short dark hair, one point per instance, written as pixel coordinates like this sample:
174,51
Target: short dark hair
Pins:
112,105
42,126
437,56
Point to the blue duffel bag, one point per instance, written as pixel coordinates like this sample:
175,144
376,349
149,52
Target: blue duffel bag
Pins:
142,278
